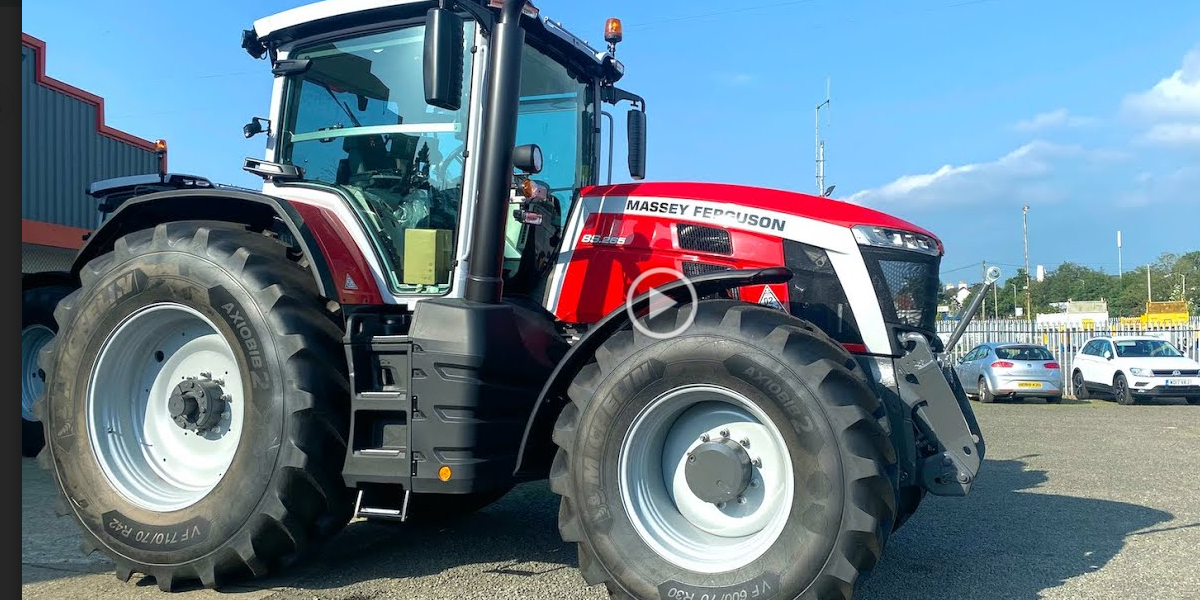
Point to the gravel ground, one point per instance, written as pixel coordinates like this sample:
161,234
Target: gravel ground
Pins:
1079,500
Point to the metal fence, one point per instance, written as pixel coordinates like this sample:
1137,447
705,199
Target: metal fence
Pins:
1065,341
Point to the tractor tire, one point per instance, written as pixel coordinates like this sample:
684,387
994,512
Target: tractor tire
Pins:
196,406
806,497
985,393
1121,391
1079,386
37,330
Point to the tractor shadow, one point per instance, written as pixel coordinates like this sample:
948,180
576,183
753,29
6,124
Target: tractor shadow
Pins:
1005,541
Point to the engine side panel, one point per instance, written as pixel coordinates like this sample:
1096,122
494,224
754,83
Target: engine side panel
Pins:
614,234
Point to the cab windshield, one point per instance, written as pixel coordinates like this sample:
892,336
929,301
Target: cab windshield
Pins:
1145,349
357,120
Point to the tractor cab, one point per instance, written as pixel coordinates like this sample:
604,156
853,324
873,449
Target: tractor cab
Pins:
352,119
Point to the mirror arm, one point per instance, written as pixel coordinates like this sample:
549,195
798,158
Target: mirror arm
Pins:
613,94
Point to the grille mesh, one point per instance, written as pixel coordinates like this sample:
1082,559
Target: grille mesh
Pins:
912,289
704,239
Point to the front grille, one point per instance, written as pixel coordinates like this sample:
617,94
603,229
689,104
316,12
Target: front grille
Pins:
907,285
704,239
1176,372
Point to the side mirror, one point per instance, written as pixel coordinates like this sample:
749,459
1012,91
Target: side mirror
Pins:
1107,355
443,60
527,158
636,129
255,127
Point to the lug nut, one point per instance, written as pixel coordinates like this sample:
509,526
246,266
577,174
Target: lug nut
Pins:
691,458
721,505
206,375
741,500
745,442
757,463
704,437
753,483
725,433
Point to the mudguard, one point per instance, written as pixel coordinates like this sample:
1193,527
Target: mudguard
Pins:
258,211
537,449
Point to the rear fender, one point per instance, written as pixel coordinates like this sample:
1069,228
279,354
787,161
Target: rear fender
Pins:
259,212
537,448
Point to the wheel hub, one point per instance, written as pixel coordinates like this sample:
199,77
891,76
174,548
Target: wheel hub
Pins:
718,471
197,404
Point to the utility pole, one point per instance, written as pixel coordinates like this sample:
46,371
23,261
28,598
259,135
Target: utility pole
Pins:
983,307
1120,268
995,301
820,144
1014,298
1025,229
1149,295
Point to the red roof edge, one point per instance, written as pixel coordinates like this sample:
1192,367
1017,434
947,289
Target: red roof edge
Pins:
39,50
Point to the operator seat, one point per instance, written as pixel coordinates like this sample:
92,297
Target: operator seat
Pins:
364,154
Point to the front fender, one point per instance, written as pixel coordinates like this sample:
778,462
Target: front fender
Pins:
537,449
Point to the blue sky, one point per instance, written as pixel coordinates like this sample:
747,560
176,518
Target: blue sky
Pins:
950,113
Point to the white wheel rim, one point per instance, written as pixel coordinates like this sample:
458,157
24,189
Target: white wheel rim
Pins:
146,456
33,339
680,527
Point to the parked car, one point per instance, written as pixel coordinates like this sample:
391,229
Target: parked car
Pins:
1130,368
1011,371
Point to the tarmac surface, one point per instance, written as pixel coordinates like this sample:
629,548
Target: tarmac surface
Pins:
1078,500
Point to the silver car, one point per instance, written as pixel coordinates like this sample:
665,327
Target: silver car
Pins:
996,370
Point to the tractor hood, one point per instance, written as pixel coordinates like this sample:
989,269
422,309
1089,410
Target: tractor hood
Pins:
767,200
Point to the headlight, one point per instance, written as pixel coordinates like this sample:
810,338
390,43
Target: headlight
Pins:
1140,372
899,239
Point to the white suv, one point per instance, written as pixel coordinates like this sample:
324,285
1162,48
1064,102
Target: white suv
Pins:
1132,367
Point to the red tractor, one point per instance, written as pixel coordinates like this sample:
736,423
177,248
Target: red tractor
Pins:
718,380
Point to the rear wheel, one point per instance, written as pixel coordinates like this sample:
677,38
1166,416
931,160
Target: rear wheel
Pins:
1079,385
37,330
1121,390
985,393
197,400
1054,400
743,458
1194,400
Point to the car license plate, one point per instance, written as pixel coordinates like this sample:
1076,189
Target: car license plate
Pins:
1030,384
1179,382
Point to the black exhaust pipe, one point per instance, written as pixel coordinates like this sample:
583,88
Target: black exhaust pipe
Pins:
484,266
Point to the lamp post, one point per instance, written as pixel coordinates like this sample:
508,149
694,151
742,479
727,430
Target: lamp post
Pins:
1025,230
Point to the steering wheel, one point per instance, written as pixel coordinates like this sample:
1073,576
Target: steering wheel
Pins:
455,154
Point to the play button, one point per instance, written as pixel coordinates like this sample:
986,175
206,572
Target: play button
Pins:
660,303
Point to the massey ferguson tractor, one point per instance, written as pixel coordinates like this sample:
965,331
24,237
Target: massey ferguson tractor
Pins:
736,391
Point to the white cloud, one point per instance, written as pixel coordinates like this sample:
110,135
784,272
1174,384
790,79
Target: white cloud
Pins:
1059,118
1172,97
1025,174
1172,134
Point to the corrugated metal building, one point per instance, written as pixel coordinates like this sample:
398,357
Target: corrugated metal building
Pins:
65,145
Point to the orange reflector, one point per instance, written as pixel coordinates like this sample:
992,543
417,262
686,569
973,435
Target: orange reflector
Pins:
444,473
612,30
160,145
527,188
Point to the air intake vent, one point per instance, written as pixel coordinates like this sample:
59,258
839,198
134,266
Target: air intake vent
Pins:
695,269
704,239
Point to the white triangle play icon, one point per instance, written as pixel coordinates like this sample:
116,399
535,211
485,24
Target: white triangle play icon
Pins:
659,302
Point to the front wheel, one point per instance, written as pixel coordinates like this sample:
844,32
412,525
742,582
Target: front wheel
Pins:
196,406
1121,390
744,458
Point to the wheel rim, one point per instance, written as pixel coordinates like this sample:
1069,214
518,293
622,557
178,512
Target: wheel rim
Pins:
1121,388
983,387
1077,381
677,524
146,455
33,382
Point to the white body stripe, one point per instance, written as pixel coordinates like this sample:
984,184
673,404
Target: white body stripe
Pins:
838,241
